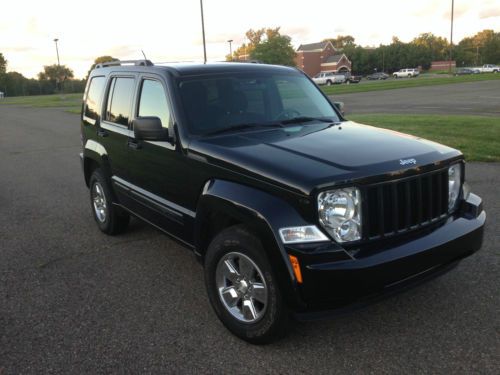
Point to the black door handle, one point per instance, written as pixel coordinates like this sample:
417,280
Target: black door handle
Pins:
102,133
133,144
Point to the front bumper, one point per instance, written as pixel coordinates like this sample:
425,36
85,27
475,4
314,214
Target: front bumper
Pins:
336,277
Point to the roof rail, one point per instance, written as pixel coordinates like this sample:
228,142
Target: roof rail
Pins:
124,62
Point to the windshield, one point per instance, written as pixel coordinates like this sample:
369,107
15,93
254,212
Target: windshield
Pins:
215,102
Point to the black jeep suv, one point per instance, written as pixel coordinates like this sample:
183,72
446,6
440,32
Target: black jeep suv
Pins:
293,210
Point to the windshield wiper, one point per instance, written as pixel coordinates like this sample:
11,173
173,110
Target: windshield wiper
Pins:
299,119
251,125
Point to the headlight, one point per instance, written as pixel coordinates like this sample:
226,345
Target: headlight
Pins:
454,184
340,213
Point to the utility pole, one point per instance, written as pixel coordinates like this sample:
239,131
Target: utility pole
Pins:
451,34
57,51
58,65
203,32
230,41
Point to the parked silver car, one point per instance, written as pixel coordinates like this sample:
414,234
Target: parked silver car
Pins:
328,78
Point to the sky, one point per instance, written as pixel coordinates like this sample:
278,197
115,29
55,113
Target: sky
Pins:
171,30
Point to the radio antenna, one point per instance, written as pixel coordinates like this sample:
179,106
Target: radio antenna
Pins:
143,54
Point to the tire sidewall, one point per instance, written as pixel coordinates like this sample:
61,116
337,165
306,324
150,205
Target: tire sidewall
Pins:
98,178
237,239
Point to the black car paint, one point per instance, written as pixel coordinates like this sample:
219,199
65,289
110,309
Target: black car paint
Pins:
270,179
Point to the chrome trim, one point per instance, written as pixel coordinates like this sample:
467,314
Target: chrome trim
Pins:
91,121
154,197
120,129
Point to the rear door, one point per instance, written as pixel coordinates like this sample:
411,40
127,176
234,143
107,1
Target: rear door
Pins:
114,129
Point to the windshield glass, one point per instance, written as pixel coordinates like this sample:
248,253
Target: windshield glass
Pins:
215,102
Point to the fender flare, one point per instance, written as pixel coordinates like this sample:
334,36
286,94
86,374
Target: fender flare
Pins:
94,152
263,212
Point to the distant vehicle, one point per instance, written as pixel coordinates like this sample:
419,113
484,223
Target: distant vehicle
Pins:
464,71
349,78
404,73
377,76
488,68
328,78
2,95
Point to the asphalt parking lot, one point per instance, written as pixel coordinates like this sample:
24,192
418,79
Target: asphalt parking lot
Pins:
73,300
471,98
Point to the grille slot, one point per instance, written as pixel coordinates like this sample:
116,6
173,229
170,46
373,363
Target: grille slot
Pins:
400,206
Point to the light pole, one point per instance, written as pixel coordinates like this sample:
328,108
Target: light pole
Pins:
451,34
57,51
230,41
203,32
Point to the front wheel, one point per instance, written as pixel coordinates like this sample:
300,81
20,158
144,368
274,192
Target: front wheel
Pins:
242,287
328,83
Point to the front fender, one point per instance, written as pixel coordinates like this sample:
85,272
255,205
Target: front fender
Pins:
264,213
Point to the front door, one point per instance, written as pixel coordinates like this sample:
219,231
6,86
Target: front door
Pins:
157,169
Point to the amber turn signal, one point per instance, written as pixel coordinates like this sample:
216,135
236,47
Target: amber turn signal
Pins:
296,268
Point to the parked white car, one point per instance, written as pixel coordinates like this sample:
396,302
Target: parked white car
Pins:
328,78
488,68
406,73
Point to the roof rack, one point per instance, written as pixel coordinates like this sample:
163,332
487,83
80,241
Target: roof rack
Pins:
124,62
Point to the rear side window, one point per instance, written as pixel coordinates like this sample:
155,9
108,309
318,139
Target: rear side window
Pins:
120,100
153,102
94,95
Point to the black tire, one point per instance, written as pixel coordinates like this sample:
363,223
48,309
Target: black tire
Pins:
274,319
328,83
115,219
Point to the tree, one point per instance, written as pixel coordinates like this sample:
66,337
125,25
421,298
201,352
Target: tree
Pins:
254,38
56,74
3,64
100,60
342,41
275,49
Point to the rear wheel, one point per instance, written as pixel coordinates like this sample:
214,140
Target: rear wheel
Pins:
328,83
242,287
110,218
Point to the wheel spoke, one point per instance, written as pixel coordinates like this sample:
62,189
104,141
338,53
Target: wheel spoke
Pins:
259,292
230,295
229,271
249,311
246,268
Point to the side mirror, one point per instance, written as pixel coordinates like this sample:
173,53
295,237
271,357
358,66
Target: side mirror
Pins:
340,107
149,129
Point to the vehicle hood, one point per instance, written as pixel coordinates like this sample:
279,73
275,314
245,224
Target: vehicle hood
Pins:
310,156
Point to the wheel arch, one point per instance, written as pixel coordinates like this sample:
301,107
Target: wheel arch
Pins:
95,156
223,204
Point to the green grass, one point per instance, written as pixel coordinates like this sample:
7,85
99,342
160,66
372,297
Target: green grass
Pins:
478,137
70,102
391,83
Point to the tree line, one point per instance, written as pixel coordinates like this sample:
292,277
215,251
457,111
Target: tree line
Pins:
268,45
52,79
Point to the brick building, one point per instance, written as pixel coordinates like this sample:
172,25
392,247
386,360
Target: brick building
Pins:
321,57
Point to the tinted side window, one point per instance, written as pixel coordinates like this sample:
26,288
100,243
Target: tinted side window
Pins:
94,95
153,102
119,100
